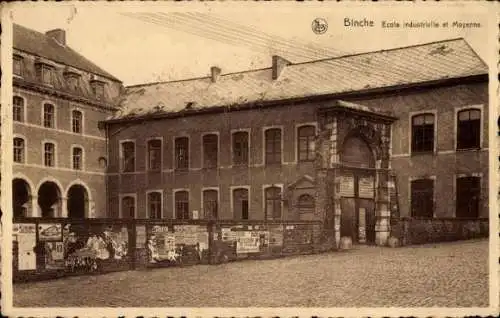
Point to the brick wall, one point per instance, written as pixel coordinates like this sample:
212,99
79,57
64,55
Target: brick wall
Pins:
92,140
445,164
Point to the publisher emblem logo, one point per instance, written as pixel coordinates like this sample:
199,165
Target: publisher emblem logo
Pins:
319,26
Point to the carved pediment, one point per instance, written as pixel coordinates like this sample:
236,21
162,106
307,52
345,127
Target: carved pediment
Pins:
304,182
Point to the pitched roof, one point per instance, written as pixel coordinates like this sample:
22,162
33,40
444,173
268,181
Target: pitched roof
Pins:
39,44
381,69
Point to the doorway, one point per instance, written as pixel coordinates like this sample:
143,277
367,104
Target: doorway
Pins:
358,208
357,191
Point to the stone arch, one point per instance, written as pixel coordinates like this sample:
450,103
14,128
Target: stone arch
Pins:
50,197
79,199
22,194
356,151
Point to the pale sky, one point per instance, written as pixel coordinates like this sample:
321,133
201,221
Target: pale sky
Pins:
186,45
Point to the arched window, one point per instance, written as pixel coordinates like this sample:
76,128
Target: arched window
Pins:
182,205
306,145
48,115
18,109
469,129
154,205
306,203
422,131
182,153
240,204
128,156
76,121
273,145
154,154
210,151
128,207
240,148
210,204
49,155
273,203
19,150
77,158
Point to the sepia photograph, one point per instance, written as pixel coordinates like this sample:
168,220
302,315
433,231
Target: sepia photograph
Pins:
249,156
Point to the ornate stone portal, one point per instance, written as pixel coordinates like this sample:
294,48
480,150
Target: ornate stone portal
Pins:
354,140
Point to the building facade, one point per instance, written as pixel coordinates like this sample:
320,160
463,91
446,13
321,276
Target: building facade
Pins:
59,151
351,141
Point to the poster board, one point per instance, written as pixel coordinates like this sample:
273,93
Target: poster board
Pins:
51,232
26,241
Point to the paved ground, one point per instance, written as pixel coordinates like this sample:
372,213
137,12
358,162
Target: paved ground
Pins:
449,274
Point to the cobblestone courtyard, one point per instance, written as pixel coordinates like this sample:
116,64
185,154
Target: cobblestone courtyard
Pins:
448,274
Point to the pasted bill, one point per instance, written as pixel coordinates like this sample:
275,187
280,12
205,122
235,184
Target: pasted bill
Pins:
248,159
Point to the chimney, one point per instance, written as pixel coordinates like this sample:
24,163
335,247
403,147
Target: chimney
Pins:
57,34
279,64
215,72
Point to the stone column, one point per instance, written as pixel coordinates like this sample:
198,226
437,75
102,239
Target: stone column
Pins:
382,226
337,211
91,212
64,207
35,209
334,157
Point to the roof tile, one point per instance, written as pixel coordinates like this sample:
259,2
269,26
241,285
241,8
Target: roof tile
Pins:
410,65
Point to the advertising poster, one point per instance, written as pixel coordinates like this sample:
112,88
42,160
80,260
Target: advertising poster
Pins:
54,255
26,242
186,234
228,235
140,241
366,187
347,186
248,242
49,232
161,244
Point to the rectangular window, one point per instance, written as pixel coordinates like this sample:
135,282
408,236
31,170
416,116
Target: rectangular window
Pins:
240,204
468,197
128,156
422,198
240,148
76,121
210,151
306,144
73,82
77,158
469,129
18,109
182,205
154,154
273,203
18,150
48,115
45,74
49,155
273,146
128,207
182,153
18,66
422,133
154,205
97,89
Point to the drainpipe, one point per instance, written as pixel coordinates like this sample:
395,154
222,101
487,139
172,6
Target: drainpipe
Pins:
106,131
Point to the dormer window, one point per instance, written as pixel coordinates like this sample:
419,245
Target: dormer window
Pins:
97,88
18,65
45,73
72,81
